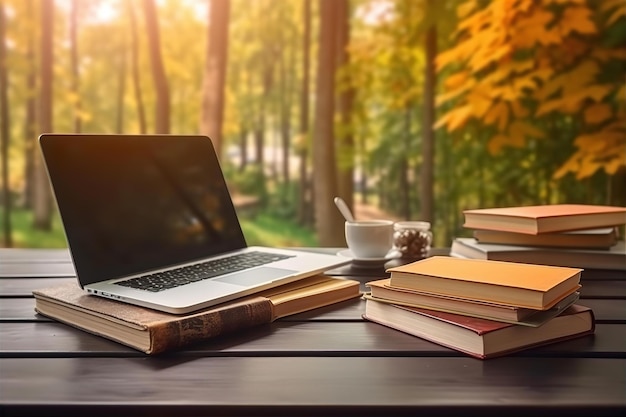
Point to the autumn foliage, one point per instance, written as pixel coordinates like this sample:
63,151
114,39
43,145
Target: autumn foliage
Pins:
521,67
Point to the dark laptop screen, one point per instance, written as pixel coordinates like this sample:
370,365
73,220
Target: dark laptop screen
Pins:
135,203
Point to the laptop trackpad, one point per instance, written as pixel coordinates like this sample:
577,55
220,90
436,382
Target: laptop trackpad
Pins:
256,276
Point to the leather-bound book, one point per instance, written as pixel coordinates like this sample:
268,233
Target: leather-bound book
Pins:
153,332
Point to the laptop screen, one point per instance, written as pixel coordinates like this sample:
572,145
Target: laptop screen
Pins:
135,203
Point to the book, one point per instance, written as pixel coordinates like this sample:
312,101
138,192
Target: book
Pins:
602,238
153,332
612,258
382,291
477,337
536,287
545,218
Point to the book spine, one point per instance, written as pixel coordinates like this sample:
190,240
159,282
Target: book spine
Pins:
216,322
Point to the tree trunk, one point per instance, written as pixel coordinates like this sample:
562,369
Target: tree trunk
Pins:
141,113
345,141
304,205
162,115
121,89
75,80
329,224
42,201
285,118
214,82
4,133
30,115
428,137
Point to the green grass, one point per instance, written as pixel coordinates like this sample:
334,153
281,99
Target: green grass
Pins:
25,236
277,232
260,230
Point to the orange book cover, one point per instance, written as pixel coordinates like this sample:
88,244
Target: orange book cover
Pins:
545,218
517,284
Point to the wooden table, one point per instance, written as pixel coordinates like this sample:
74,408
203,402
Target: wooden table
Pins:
324,362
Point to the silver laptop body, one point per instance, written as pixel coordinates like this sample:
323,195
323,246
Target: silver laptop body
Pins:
138,208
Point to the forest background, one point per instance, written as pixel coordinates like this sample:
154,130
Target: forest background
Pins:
419,108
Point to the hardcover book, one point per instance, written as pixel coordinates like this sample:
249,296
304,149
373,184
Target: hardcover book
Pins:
612,258
381,290
153,332
602,238
536,287
546,218
478,337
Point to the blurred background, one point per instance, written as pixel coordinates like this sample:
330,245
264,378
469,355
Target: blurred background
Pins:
408,109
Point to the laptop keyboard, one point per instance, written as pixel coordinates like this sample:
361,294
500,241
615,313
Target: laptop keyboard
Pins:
193,273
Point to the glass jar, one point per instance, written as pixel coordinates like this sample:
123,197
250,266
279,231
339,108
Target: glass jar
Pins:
412,239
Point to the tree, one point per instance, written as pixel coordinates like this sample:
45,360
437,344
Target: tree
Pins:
428,132
542,71
4,133
134,64
162,114
42,198
345,137
215,73
75,80
329,224
305,214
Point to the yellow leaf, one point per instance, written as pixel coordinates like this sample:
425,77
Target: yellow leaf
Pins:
455,80
524,83
456,54
519,111
548,107
616,15
443,98
459,117
576,19
479,103
525,129
465,9
494,113
587,168
496,143
595,92
614,165
550,88
597,113
504,118
571,165
516,136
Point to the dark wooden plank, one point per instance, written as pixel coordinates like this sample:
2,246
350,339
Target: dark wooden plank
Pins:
32,255
289,339
603,289
606,311
308,386
37,269
23,287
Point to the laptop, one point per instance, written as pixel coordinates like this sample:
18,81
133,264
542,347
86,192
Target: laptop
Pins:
149,221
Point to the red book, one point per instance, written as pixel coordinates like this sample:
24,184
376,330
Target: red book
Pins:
478,337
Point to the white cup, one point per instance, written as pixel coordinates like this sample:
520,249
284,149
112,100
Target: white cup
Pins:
369,238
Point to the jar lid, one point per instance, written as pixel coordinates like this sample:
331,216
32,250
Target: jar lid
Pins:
416,225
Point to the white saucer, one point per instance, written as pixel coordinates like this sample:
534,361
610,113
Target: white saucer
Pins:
348,254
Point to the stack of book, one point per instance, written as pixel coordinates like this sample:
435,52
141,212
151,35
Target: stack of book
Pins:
574,235
480,307
154,332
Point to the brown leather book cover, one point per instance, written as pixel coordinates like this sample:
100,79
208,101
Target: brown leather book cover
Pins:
153,332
